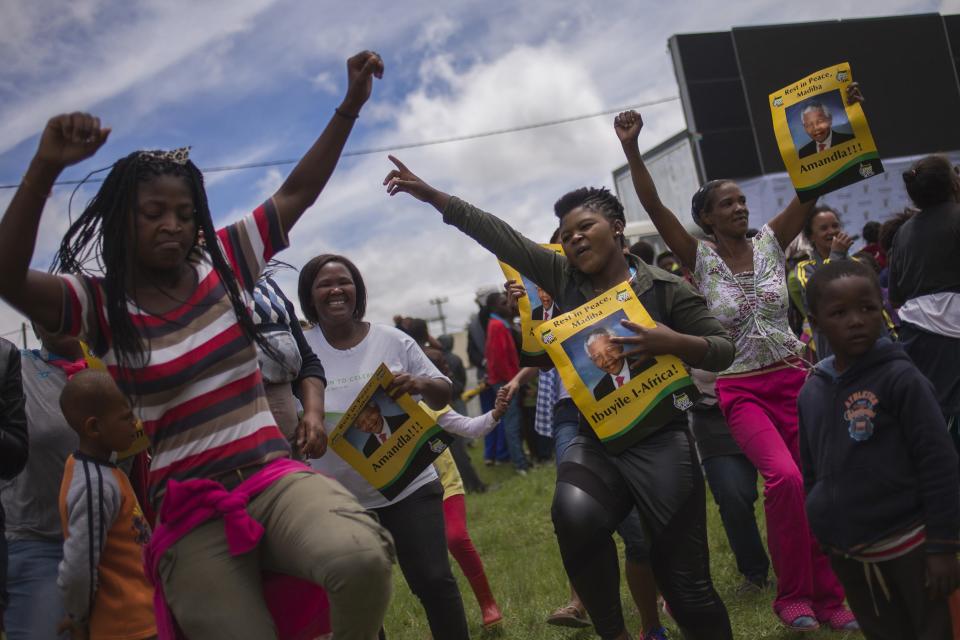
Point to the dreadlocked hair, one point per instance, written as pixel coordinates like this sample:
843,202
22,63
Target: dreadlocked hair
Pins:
100,238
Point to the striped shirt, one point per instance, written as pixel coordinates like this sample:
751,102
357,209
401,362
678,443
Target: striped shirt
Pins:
892,547
200,394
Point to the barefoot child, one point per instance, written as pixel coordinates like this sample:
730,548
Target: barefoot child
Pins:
879,470
105,591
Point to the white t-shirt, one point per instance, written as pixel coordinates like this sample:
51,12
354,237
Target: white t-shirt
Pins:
347,370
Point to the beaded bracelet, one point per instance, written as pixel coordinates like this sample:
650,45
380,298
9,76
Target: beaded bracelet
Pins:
345,115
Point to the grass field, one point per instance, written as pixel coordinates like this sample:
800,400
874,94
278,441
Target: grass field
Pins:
510,526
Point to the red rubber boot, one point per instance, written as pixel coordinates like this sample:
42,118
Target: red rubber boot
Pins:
489,610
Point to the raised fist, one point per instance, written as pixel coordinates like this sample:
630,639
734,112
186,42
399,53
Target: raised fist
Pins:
628,125
361,70
70,138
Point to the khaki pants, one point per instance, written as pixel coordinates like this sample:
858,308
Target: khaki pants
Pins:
314,530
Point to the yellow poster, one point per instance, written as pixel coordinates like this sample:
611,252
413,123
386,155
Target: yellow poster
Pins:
621,398
826,143
532,307
389,441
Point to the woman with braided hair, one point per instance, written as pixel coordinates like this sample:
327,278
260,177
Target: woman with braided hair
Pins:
168,316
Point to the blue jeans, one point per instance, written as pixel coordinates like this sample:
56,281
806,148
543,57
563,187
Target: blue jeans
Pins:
495,442
512,425
733,482
566,425
36,606
635,546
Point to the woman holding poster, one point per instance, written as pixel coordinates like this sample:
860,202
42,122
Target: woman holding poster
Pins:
744,282
658,473
334,298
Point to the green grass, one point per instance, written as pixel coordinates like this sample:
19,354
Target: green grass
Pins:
511,528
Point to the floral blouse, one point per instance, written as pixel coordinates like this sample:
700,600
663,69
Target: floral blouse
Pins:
752,306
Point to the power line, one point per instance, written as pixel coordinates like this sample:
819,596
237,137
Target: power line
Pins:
408,145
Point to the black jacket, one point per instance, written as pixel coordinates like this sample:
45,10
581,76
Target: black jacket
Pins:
13,418
923,258
876,455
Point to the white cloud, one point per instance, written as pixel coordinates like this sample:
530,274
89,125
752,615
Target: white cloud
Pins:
324,82
248,155
406,253
473,68
436,32
113,57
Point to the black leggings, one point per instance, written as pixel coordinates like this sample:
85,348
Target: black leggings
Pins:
662,477
419,536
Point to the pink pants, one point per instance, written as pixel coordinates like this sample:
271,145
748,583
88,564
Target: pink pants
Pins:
761,410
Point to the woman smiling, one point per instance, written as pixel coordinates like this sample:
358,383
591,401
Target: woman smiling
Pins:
333,297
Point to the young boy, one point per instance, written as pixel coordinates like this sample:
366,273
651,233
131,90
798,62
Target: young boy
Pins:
106,593
881,477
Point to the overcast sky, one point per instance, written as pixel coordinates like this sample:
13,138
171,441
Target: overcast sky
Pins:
252,80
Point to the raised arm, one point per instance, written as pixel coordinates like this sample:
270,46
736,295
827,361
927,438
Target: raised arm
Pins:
628,125
66,140
788,224
304,184
543,266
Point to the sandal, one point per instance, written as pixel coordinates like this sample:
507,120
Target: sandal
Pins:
798,616
569,615
841,619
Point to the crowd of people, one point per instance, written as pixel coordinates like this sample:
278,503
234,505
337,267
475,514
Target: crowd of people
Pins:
834,377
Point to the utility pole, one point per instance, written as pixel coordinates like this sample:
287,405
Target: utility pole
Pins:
23,331
439,302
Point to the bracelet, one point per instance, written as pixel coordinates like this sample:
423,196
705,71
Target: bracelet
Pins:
26,184
343,114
